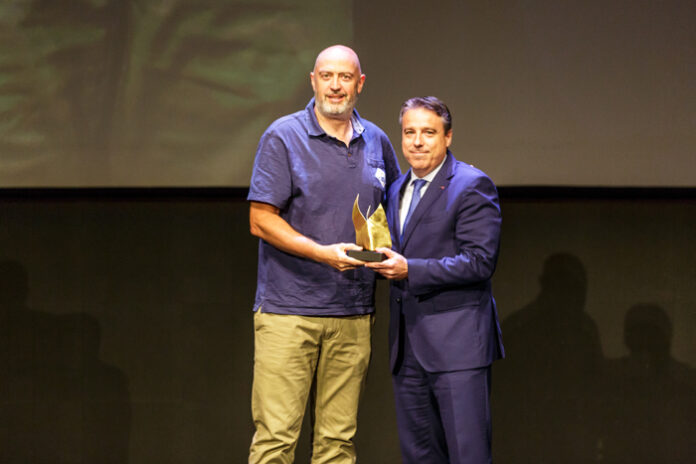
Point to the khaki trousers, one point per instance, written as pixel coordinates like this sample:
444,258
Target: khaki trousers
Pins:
292,352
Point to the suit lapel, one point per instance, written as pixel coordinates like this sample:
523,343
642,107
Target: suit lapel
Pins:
394,203
435,189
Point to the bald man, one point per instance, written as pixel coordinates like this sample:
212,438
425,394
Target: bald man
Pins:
314,305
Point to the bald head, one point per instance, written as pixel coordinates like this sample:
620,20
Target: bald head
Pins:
338,53
337,81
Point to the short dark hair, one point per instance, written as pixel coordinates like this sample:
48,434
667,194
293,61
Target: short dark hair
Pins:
433,104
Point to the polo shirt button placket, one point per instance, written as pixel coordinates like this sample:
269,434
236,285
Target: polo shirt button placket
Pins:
350,159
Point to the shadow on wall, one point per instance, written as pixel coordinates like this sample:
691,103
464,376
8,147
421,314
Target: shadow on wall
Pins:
556,399
58,401
650,415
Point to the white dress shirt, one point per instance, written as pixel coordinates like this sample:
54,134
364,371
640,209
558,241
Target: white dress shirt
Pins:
408,192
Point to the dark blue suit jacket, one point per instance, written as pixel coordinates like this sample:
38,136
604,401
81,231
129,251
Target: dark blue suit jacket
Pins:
451,244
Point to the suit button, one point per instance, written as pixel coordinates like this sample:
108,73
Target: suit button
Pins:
398,300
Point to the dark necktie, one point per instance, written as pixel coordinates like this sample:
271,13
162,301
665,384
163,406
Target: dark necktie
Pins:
417,186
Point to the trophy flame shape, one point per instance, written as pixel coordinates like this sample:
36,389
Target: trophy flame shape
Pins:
371,231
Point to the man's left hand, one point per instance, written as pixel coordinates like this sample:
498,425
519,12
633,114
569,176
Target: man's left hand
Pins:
395,267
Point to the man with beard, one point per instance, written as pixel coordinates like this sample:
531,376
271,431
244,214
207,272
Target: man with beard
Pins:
314,304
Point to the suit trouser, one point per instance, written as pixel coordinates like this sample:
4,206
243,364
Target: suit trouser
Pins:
292,352
442,417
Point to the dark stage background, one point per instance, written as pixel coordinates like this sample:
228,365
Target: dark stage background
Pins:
127,272
127,330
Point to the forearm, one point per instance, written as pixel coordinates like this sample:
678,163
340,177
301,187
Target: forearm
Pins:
467,268
265,222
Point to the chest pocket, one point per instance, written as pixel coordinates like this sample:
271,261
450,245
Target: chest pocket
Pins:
377,172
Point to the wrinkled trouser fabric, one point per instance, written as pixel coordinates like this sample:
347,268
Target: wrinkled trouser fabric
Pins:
289,352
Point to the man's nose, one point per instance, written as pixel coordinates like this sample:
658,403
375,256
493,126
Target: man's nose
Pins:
335,85
418,140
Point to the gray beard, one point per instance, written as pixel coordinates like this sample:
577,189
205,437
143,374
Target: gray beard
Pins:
328,109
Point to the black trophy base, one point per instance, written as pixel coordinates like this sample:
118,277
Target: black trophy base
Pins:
367,255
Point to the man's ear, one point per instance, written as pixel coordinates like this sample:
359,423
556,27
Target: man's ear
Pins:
361,82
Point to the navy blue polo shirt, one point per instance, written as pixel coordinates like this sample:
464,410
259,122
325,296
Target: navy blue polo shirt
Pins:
313,179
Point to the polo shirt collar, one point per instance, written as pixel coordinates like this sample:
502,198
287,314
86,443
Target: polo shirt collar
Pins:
315,130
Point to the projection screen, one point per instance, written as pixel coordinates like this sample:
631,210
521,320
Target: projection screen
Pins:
176,93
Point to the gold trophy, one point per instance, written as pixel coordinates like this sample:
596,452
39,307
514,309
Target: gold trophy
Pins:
371,231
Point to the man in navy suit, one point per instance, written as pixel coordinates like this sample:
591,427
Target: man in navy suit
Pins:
444,219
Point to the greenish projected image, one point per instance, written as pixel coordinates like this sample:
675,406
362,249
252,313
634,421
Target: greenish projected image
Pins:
151,92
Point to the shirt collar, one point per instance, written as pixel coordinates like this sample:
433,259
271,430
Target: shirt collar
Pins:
314,129
429,176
